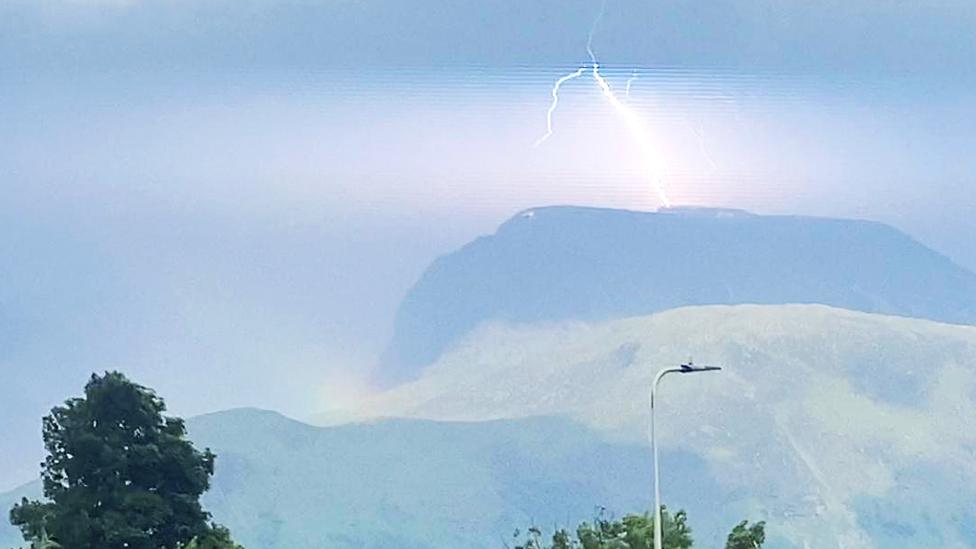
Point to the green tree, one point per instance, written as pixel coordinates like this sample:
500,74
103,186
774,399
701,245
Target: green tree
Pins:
630,532
43,542
744,536
219,538
119,474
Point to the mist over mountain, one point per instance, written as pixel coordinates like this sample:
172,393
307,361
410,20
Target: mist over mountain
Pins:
571,263
234,201
826,423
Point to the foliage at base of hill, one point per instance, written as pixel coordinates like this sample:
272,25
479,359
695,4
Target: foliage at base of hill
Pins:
218,538
744,536
637,532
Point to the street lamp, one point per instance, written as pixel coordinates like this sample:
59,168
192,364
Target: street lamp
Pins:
688,368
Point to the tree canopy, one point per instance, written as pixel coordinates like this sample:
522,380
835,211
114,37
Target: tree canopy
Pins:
636,532
219,538
119,474
744,536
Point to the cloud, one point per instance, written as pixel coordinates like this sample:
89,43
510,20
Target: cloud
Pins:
933,38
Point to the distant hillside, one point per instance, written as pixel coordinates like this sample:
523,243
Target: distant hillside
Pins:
841,429
844,429
569,263
281,484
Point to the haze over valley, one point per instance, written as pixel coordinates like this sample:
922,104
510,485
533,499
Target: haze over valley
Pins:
410,269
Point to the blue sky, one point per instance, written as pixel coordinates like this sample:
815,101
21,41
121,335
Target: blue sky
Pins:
228,199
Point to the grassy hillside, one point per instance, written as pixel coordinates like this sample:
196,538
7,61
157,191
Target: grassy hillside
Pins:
830,422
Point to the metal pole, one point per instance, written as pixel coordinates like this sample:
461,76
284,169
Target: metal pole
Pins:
684,369
657,479
658,530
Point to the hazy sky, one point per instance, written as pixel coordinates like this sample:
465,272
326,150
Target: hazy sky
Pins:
228,199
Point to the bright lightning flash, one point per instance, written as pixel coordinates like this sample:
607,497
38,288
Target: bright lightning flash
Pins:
653,162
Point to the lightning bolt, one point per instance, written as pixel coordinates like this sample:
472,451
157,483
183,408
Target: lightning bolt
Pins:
555,103
653,162
633,76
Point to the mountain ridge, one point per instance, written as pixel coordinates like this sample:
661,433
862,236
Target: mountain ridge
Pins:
593,264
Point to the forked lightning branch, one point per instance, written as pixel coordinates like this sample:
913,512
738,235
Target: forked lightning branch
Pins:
653,163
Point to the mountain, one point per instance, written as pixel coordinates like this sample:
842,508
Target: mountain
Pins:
569,263
281,484
842,429
839,428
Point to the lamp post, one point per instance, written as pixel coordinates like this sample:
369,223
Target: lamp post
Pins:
689,368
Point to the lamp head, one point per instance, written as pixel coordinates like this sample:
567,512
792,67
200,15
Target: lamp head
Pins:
690,367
